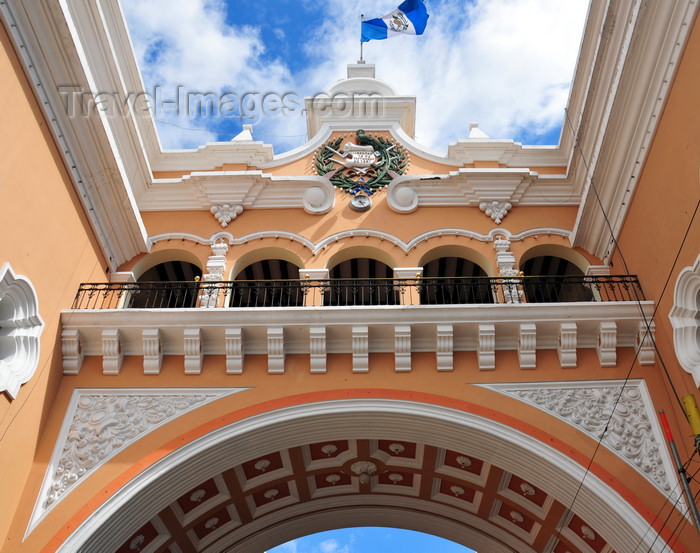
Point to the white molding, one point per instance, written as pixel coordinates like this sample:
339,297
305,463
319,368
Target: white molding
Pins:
99,423
227,193
316,247
275,350
644,42
685,317
402,348
72,350
486,348
527,346
317,349
441,329
548,469
360,349
607,344
20,330
112,351
193,350
633,433
54,56
235,351
152,350
567,344
444,347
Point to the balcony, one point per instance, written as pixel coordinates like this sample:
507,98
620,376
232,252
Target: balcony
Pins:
357,292
358,317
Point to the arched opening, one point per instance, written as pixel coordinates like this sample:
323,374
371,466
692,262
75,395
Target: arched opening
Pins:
269,478
451,280
361,281
267,283
549,278
171,284
370,539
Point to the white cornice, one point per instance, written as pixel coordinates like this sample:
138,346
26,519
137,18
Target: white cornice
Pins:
466,321
45,44
248,189
640,49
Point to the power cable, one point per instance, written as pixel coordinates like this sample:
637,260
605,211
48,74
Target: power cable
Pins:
676,530
647,323
670,512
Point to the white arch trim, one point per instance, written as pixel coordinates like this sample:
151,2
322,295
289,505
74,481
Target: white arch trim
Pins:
361,233
163,482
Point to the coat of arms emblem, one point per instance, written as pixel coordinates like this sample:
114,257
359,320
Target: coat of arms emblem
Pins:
398,22
366,166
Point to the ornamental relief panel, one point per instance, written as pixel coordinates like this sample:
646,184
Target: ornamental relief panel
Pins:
633,431
101,423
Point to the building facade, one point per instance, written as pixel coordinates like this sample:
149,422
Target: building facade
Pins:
223,349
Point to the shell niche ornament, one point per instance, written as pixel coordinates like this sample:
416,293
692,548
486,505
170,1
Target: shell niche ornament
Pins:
361,168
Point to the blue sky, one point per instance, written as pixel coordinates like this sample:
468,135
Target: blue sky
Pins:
370,540
506,64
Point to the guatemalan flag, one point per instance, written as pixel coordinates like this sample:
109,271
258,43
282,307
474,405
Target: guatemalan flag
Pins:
409,18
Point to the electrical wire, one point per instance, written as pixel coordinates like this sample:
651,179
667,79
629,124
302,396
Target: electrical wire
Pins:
679,526
647,322
670,512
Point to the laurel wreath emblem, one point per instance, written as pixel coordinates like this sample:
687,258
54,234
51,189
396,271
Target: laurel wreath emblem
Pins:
392,160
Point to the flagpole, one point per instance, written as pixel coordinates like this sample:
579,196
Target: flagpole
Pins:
362,18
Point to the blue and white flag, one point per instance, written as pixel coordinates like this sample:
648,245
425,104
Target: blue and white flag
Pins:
409,18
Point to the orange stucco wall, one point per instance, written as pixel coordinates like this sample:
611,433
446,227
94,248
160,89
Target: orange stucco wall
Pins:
46,238
316,228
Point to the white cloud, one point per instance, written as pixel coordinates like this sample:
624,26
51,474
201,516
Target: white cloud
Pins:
187,43
333,546
504,63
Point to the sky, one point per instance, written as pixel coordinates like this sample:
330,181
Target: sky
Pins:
370,540
505,64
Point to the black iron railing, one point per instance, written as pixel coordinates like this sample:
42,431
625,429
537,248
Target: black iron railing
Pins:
358,292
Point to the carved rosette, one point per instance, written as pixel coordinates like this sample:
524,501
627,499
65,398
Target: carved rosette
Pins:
629,434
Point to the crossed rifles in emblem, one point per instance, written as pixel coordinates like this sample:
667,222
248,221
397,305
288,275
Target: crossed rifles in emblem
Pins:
359,158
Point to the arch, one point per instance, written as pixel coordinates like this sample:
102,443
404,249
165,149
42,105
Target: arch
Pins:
554,274
261,254
168,284
454,280
368,252
455,250
267,283
245,441
555,250
361,281
163,256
